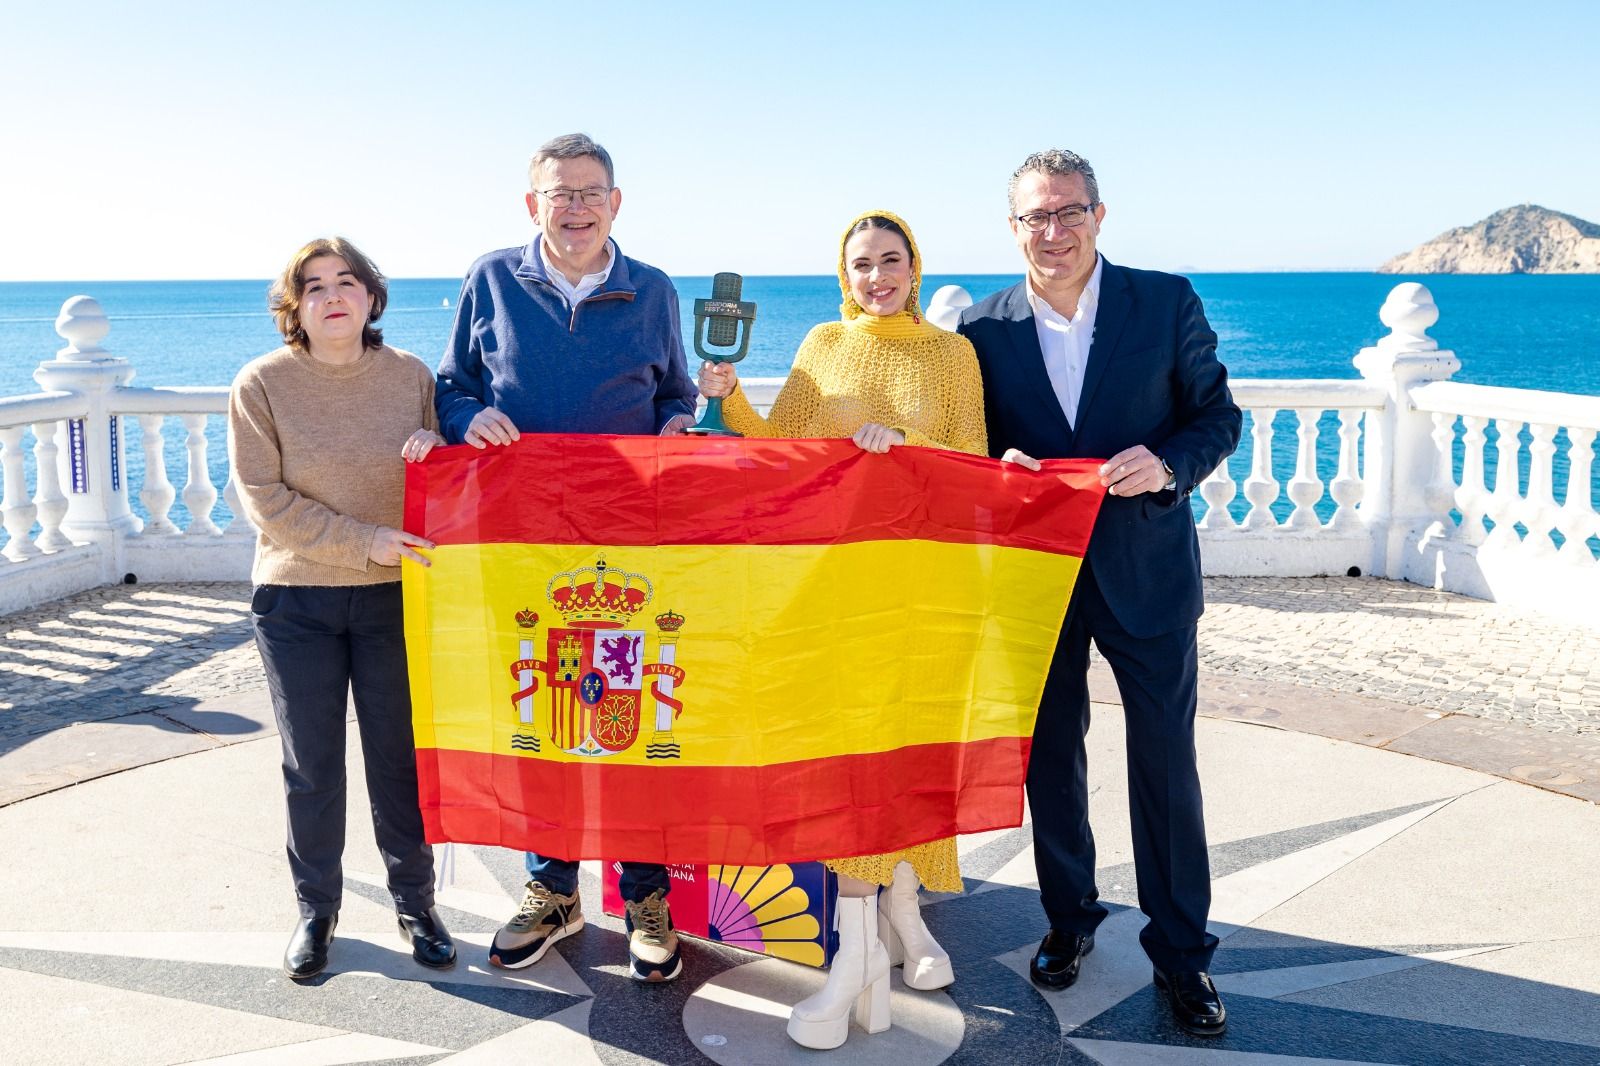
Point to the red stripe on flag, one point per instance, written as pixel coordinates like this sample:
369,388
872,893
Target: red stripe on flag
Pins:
756,815
550,489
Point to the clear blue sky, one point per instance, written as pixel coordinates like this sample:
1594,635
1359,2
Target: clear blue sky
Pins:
209,140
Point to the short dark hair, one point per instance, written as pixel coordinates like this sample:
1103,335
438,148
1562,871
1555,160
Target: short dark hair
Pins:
572,146
283,297
1057,161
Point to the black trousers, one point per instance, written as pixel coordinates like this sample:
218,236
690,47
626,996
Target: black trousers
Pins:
319,646
1157,678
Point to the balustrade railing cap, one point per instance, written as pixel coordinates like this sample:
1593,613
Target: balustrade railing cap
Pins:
1409,312
83,325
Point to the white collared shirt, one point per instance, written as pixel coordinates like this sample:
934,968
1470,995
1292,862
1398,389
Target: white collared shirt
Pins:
1065,341
586,284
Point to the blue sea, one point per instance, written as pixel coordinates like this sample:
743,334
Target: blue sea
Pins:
1519,331
1535,332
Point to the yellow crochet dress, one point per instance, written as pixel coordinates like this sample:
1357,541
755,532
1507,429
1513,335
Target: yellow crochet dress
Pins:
899,371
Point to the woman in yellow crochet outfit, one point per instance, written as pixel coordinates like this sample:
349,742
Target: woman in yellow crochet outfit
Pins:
883,376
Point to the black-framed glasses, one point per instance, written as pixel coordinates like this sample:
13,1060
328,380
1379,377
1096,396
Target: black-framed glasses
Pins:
1069,216
558,197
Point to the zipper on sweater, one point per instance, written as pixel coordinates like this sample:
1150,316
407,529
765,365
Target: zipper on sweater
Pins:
572,322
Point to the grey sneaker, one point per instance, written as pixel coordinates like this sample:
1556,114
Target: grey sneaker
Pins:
543,918
652,945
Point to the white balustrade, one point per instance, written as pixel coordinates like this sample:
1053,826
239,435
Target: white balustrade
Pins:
17,510
158,494
1346,487
1393,487
1577,520
1472,494
49,501
199,494
1261,488
1305,488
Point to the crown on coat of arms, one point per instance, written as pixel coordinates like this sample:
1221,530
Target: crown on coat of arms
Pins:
598,597
669,621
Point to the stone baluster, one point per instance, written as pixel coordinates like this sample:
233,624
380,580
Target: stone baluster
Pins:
1218,491
1402,459
199,494
48,498
1441,489
92,460
1538,512
17,511
1506,500
1261,488
1472,495
158,493
1305,488
238,525
1346,487
1577,519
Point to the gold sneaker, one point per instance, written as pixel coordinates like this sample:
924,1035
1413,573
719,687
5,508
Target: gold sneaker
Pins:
541,920
652,945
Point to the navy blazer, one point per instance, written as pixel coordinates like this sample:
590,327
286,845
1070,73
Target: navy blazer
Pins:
1152,378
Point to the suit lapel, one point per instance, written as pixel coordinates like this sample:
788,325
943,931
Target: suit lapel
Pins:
1030,357
1116,301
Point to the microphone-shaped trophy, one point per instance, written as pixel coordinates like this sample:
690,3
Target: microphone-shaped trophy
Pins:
716,322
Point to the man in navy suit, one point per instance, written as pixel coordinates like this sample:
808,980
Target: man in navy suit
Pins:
1086,359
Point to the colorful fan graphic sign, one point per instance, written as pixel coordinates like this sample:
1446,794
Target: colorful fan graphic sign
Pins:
752,652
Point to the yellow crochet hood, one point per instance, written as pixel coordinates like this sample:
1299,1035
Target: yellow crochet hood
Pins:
851,311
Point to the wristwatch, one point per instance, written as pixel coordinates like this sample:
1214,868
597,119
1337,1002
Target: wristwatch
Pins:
1172,479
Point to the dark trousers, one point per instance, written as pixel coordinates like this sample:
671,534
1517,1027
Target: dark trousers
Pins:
1157,679
319,646
638,880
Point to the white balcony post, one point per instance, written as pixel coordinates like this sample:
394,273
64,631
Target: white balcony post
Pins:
92,457
1401,458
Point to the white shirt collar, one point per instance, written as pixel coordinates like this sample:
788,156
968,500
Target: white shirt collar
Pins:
586,284
1088,300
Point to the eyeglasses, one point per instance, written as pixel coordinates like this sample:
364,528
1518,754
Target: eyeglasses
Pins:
1069,216
564,197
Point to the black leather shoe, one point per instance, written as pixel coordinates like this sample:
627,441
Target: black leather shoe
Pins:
1196,1006
1055,964
307,953
430,941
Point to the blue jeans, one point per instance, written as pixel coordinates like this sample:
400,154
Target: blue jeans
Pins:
639,879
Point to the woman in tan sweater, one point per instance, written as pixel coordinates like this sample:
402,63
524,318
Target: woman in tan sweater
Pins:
883,376
319,433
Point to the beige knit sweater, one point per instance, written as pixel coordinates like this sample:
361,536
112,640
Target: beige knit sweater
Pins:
316,453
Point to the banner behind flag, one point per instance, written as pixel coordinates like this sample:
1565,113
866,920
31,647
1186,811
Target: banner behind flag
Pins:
731,651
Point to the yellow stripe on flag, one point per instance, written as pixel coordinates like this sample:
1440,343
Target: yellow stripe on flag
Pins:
789,652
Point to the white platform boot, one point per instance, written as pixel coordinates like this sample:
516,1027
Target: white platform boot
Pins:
858,977
900,927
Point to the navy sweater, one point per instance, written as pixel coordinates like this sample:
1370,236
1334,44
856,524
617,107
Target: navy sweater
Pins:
612,364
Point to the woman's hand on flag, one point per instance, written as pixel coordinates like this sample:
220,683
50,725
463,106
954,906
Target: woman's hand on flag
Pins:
875,438
419,444
389,546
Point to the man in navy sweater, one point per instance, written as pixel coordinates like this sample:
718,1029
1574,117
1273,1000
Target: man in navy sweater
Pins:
567,335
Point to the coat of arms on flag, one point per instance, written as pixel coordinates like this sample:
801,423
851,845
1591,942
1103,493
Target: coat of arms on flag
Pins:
598,690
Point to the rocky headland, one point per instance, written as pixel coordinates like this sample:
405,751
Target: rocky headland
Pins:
1526,239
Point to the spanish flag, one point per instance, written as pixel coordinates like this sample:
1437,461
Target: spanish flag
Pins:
731,651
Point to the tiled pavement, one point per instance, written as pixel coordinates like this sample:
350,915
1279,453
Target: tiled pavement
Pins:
1374,907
